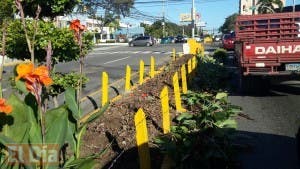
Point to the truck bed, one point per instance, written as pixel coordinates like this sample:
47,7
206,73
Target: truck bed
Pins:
268,44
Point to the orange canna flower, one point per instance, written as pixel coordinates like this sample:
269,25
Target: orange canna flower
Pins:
34,77
24,69
4,107
76,26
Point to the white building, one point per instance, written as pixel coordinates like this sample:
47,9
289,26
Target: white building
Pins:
92,25
246,6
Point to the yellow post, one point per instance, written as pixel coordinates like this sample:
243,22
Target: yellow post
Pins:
104,88
189,66
164,100
142,69
183,79
194,63
142,139
177,94
174,54
152,67
127,78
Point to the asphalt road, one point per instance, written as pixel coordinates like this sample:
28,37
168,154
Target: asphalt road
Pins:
114,58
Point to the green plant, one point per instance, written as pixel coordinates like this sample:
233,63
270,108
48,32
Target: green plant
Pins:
63,81
201,139
30,123
64,46
211,75
220,55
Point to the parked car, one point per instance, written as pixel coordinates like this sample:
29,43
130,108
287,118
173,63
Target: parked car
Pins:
142,41
180,39
217,38
228,41
166,40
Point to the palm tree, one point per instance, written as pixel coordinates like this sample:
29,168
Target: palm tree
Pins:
268,6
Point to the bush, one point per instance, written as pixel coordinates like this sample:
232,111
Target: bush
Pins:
64,46
220,55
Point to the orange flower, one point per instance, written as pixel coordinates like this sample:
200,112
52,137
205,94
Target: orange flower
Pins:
34,77
4,107
76,26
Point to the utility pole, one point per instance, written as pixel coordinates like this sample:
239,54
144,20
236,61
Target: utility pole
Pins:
294,5
193,18
163,22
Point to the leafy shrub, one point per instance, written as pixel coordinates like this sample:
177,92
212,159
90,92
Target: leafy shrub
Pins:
211,75
64,46
201,139
220,55
63,81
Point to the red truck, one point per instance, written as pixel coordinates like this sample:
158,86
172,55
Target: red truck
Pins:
268,44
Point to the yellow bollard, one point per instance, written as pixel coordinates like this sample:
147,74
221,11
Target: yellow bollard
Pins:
164,100
127,78
174,54
152,67
142,139
194,64
142,69
177,94
189,66
104,88
183,79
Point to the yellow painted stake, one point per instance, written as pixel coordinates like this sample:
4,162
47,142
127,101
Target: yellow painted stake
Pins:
183,79
174,54
127,78
164,100
142,69
194,63
152,67
104,88
189,66
142,139
177,94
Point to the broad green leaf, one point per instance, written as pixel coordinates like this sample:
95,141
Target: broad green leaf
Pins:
70,98
57,125
6,140
21,86
220,116
222,95
90,118
82,163
227,124
17,124
184,116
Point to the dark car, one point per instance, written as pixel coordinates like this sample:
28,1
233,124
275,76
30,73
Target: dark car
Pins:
142,41
180,39
228,41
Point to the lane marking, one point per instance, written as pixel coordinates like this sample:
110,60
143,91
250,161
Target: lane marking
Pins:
116,60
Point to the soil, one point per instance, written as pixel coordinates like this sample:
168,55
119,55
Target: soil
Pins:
114,131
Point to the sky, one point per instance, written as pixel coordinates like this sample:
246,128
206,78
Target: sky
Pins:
213,12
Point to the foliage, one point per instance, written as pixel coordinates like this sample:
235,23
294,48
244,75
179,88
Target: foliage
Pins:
229,23
64,45
268,6
6,9
201,139
63,81
109,6
211,75
220,55
30,122
155,29
50,8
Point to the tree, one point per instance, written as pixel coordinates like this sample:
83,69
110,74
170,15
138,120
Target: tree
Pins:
229,23
268,6
50,8
155,29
